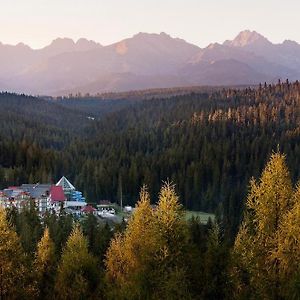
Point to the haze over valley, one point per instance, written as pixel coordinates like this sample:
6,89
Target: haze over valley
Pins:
149,150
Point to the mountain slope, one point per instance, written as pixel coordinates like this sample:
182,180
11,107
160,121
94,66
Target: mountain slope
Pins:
142,56
262,65
145,61
224,72
19,59
286,54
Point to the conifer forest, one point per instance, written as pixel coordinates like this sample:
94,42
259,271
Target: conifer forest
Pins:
230,152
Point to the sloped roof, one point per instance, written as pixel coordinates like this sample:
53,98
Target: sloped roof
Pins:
36,190
12,192
27,186
57,193
88,209
65,184
39,192
105,202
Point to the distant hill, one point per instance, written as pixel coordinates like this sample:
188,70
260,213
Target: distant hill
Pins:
40,121
144,61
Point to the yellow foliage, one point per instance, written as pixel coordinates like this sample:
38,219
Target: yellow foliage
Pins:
170,223
258,239
271,197
12,269
45,256
128,253
147,259
288,252
77,269
45,264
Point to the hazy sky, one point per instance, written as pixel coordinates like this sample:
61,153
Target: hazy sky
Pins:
37,22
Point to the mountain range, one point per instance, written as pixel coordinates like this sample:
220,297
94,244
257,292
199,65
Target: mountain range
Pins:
144,61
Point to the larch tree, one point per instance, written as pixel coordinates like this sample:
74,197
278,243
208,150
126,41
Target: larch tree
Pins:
129,259
257,269
288,252
77,275
45,265
148,261
14,282
171,266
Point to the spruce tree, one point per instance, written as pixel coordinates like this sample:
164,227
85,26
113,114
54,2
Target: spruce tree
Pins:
215,260
29,228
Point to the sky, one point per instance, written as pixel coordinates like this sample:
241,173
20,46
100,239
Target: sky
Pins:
37,22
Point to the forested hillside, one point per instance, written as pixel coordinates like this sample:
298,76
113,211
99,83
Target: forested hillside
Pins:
209,144
158,254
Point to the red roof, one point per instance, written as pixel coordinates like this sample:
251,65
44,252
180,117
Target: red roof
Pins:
57,193
24,194
88,209
13,188
104,202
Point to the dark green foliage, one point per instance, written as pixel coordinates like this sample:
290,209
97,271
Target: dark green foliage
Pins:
210,143
28,227
60,228
208,261
98,235
95,107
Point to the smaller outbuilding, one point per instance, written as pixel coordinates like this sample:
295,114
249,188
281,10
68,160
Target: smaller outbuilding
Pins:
88,209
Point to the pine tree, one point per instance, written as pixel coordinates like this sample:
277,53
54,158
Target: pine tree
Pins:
257,269
77,275
45,265
13,271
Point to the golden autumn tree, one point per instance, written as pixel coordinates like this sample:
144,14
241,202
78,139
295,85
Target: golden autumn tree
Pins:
257,269
45,265
170,261
288,252
147,261
130,255
77,275
13,272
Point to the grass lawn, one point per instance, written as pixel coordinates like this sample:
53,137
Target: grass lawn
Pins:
188,215
201,215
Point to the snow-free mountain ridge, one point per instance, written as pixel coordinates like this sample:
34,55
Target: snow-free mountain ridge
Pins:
144,61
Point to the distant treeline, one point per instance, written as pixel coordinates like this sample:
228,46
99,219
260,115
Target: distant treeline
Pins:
141,94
